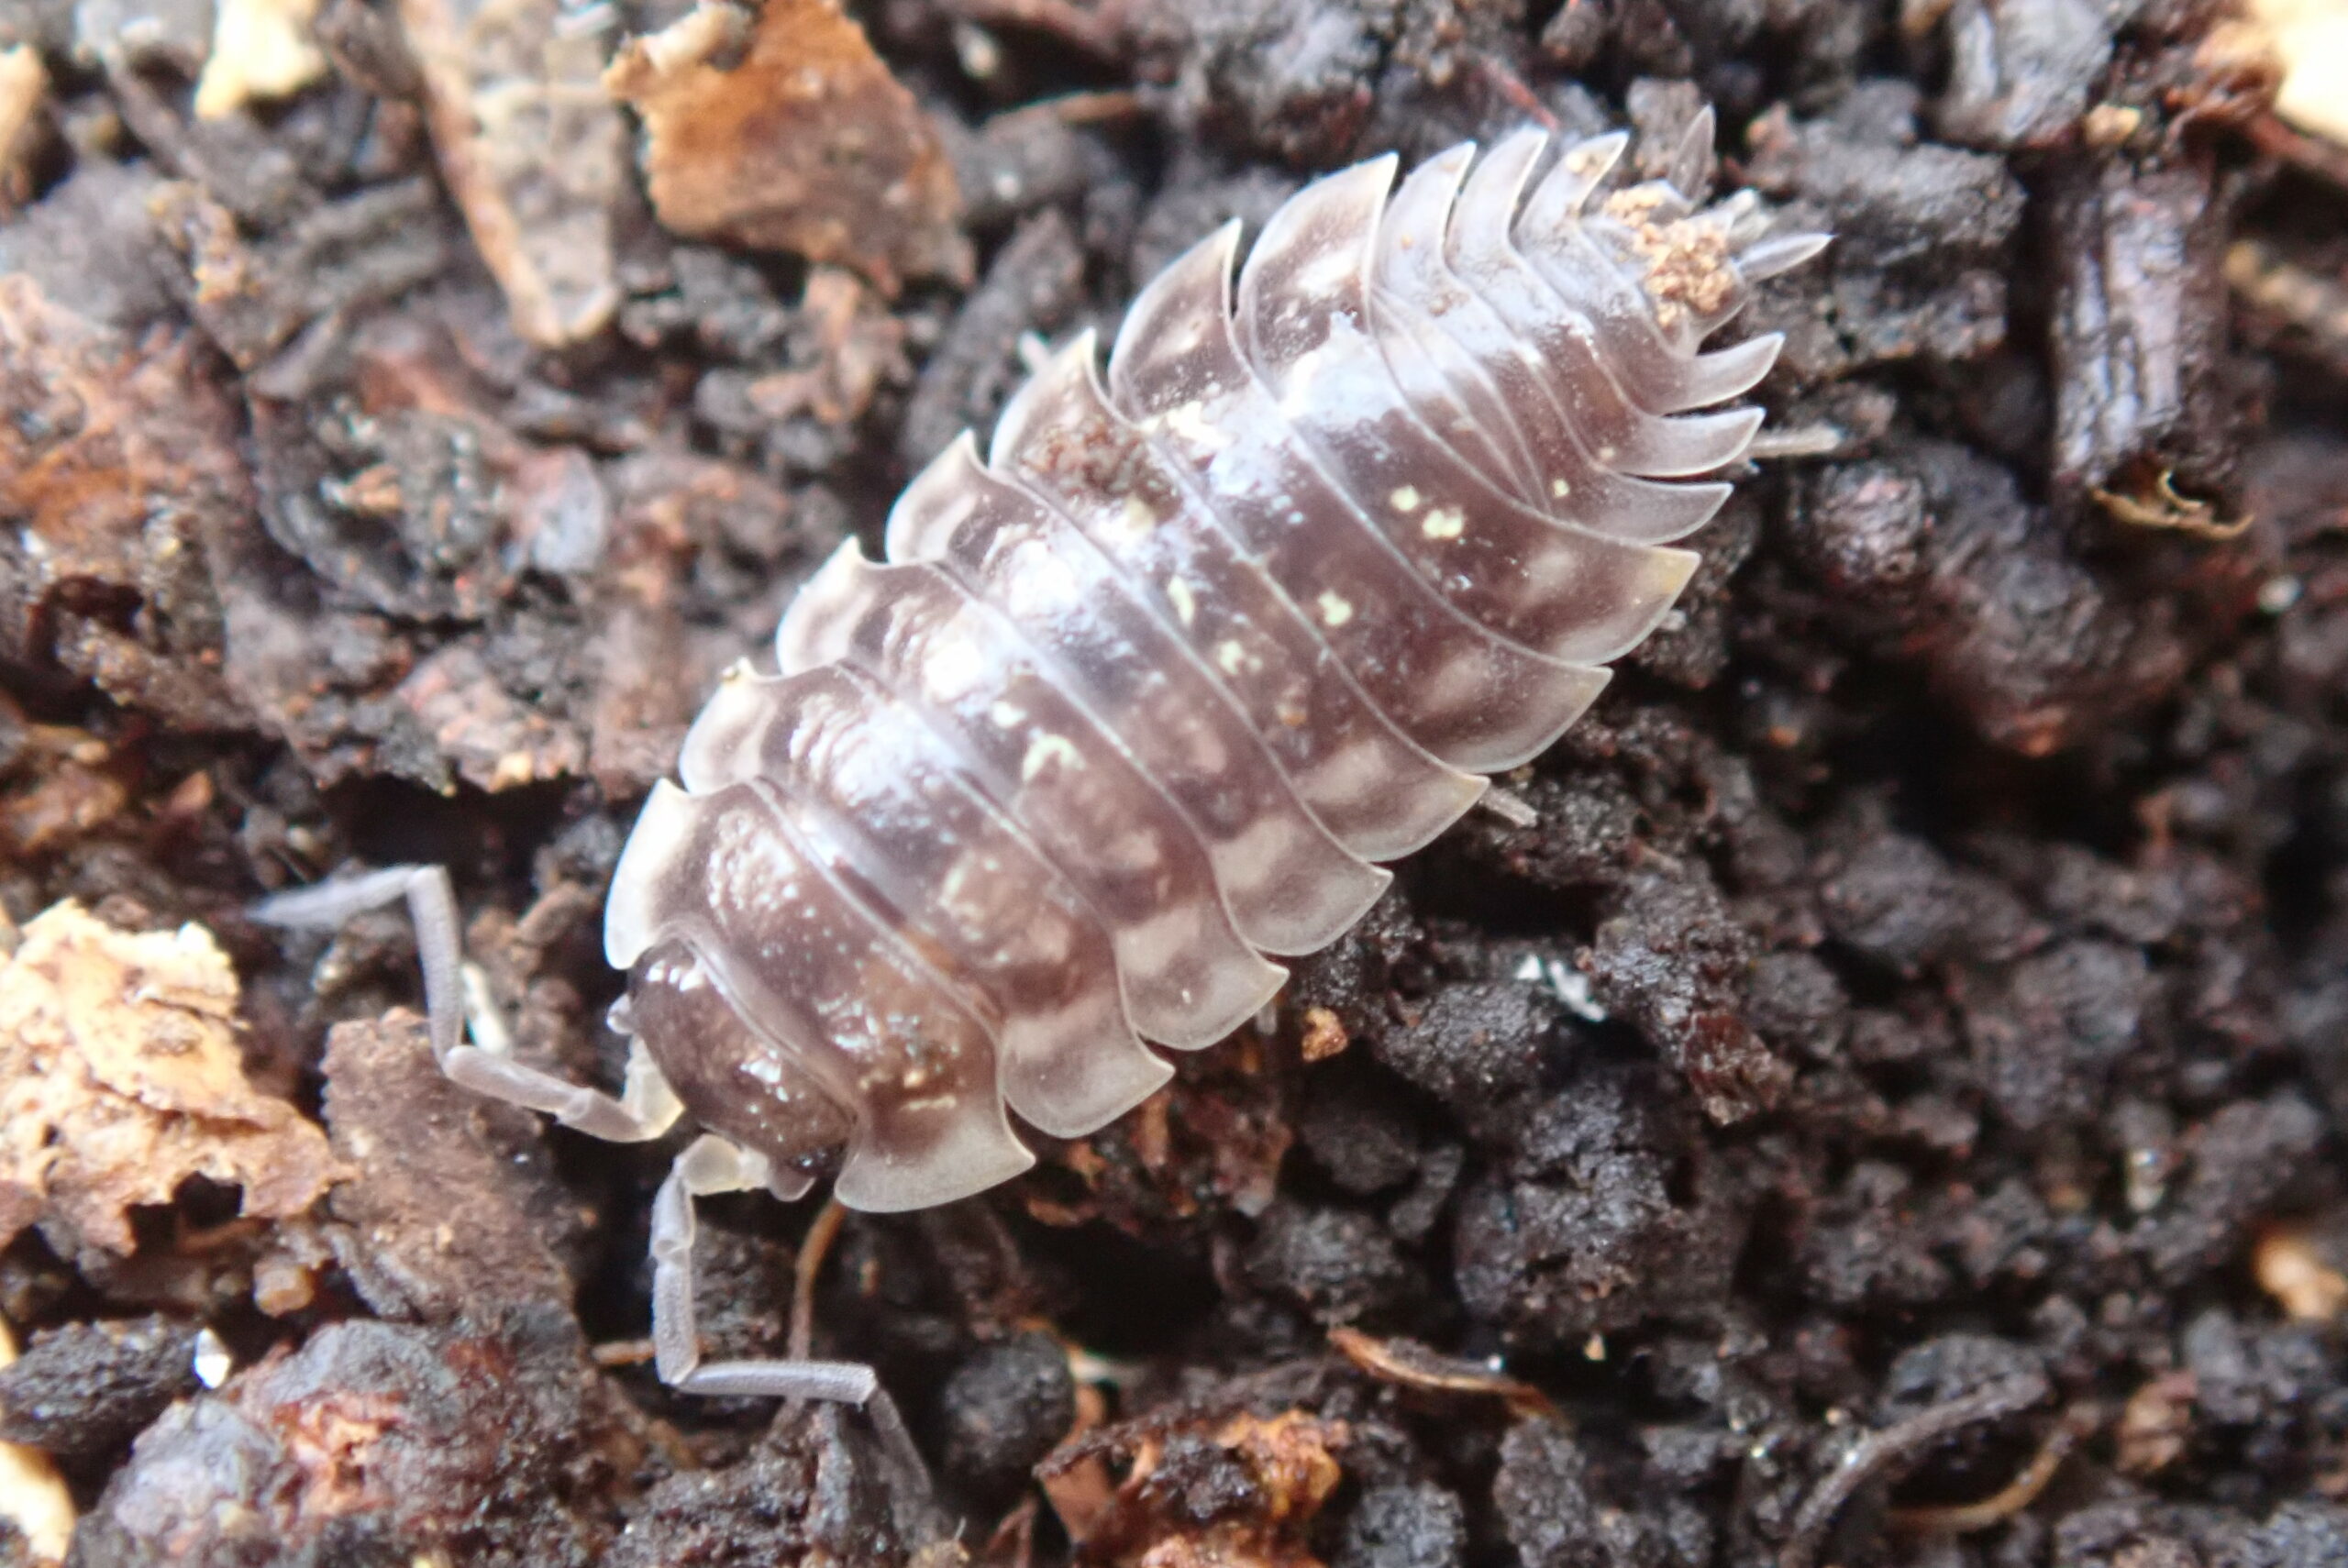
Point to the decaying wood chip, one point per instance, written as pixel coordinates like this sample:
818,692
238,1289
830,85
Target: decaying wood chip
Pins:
807,145
532,149
2292,1265
102,441
120,1078
32,1493
1325,1035
1239,1492
24,88
261,48
2139,329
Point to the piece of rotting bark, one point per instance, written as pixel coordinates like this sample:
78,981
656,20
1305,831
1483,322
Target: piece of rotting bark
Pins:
533,152
123,1078
807,144
2022,74
2140,333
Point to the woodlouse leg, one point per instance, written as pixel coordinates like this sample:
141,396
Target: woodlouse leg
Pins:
711,1164
644,1109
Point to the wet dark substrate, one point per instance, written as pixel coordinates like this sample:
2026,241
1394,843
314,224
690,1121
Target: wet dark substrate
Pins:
1910,1044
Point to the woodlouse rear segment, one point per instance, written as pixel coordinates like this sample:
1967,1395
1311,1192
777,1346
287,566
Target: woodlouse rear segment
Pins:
1144,692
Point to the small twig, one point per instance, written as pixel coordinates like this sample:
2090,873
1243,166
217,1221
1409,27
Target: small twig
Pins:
1076,108
1414,1365
1510,807
810,1262
1879,1450
621,1353
1962,1518
1820,440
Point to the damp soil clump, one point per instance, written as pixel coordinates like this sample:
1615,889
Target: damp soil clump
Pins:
1873,1096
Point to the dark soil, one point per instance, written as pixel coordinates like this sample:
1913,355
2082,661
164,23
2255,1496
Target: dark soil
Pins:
1887,1108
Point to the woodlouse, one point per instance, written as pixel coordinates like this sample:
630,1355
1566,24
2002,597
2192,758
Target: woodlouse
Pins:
1145,690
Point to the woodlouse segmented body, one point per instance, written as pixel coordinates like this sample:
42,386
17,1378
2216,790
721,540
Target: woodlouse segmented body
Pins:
1145,690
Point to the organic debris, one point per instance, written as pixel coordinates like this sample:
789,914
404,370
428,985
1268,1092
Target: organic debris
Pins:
1414,1365
33,1499
1923,972
2300,1268
261,48
24,91
1236,1493
2310,38
444,1444
807,144
120,1078
117,462
448,1203
532,151
1876,1451
2140,330
2155,1425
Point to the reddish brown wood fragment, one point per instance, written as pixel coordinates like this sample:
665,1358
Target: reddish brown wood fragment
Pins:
808,144
1414,1365
1240,1492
